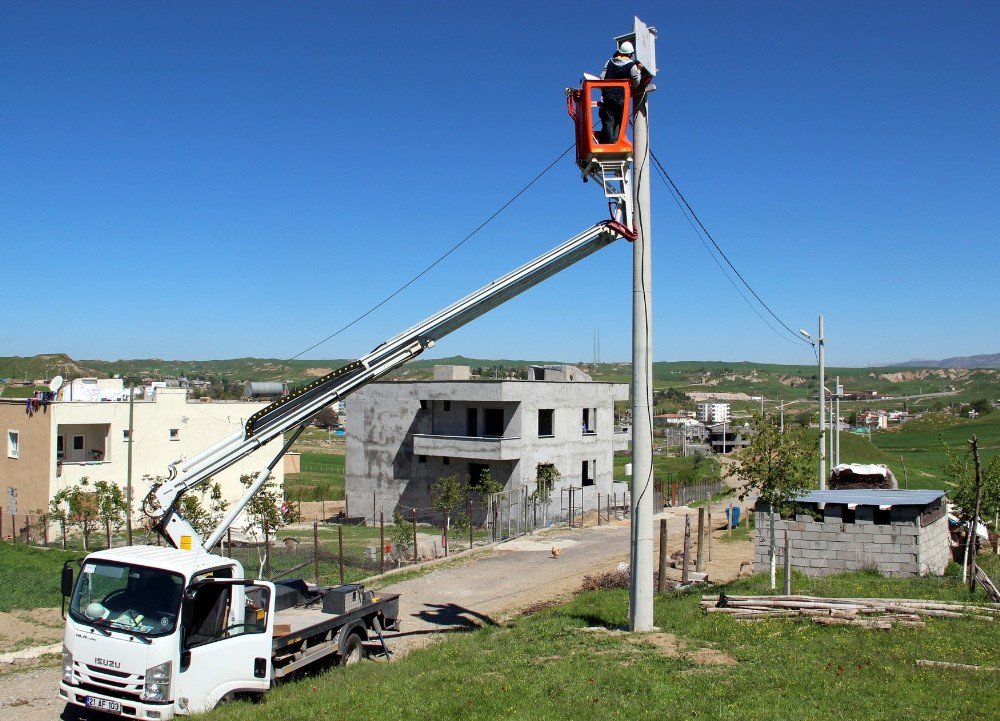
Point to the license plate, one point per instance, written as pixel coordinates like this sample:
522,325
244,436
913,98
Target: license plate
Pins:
103,704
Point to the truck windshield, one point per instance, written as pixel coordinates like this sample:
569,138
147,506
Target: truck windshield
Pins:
135,599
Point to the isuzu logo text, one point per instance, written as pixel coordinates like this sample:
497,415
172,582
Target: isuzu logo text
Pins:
107,663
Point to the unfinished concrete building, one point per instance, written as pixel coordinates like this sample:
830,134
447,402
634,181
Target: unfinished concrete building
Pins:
402,436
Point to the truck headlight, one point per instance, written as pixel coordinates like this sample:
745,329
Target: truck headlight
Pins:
157,685
67,665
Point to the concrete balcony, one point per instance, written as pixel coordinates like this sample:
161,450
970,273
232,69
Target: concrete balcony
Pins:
620,440
486,448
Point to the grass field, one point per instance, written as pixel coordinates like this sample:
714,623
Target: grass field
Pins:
546,666
321,479
29,577
671,468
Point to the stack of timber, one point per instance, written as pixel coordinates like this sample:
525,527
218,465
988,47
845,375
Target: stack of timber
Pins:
880,613
987,584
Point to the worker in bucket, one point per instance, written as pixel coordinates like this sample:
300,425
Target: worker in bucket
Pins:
620,67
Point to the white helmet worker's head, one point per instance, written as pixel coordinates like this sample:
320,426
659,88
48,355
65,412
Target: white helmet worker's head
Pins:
626,48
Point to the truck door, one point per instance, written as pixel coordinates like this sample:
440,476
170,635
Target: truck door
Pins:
228,630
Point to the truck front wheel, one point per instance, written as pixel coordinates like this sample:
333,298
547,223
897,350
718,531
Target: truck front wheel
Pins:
354,651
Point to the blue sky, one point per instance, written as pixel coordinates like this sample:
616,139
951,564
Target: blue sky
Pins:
211,180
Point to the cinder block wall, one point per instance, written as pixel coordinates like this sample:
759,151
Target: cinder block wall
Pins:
901,548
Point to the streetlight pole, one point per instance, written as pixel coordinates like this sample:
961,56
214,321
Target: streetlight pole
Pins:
821,342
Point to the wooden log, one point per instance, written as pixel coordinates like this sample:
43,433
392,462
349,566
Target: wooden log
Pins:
925,663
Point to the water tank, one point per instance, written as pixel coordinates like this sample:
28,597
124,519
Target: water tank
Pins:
258,389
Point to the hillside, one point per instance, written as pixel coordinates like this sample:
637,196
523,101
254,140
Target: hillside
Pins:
989,360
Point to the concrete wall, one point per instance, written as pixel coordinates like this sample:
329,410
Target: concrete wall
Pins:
914,542
397,446
28,474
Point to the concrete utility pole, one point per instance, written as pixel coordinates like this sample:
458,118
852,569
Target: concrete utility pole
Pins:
128,469
840,392
822,403
641,582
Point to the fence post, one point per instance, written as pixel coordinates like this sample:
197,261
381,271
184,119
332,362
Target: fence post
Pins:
340,545
62,523
598,508
446,519
729,526
685,572
267,551
45,530
708,506
347,507
661,578
381,542
316,551
414,535
1,525
788,566
374,508
470,525
700,557
607,502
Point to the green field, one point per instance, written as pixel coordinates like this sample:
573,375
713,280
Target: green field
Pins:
321,479
29,577
561,663
672,468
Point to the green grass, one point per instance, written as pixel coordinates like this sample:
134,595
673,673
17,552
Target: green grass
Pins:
671,468
29,577
545,667
322,478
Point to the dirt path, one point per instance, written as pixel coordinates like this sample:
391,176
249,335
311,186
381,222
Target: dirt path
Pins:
482,589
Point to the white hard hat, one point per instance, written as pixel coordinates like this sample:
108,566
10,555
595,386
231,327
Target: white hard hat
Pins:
626,48
96,611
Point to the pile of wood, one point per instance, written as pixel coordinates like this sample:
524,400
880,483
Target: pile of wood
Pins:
881,613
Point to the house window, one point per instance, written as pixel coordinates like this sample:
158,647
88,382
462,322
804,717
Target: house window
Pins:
590,420
545,416
493,422
13,444
423,405
447,405
125,435
421,459
77,443
476,471
587,473
175,434
60,446
446,461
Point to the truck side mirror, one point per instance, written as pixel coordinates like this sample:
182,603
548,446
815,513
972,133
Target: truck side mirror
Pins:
66,582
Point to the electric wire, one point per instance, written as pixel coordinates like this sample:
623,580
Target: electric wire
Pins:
451,250
673,186
722,268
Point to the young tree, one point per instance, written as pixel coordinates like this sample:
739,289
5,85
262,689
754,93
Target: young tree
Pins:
777,466
76,506
401,536
960,470
109,499
447,493
204,508
546,476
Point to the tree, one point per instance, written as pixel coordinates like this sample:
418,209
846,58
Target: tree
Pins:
76,506
958,468
328,418
777,466
400,534
546,476
448,492
204,508
111,506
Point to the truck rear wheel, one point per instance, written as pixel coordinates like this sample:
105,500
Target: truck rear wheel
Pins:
354,651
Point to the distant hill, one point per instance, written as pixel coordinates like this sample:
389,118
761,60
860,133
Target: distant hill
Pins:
989,360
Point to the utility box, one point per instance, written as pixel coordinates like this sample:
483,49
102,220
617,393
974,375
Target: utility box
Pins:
343,599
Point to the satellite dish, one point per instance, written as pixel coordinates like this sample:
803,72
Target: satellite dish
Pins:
55,384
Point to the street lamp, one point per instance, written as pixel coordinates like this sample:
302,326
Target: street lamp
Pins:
822,401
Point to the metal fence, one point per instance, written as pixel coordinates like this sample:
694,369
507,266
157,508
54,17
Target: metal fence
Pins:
515,513
682,495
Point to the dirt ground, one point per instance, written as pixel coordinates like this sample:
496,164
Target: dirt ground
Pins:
40,627
485,588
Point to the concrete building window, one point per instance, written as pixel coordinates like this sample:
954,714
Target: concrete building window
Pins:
13,444
77,443
472,422
446,461
125,435
587,473
493,422
421,459
545,416
447,405
60,446
590,420
476,471
423,405
175,434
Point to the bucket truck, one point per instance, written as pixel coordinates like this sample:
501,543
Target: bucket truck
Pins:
153,632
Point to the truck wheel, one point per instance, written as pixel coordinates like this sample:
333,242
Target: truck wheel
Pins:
354,651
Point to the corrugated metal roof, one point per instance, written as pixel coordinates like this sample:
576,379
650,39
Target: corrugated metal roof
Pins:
873,497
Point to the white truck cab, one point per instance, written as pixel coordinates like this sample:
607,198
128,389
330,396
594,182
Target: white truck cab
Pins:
154,632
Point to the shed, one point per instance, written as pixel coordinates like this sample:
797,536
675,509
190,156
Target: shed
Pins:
902,533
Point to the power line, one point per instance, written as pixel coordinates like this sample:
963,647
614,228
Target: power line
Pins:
426,270
674,189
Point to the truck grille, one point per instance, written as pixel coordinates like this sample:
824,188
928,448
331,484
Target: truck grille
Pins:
112,683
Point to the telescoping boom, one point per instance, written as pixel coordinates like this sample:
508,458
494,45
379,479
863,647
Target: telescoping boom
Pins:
292,412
